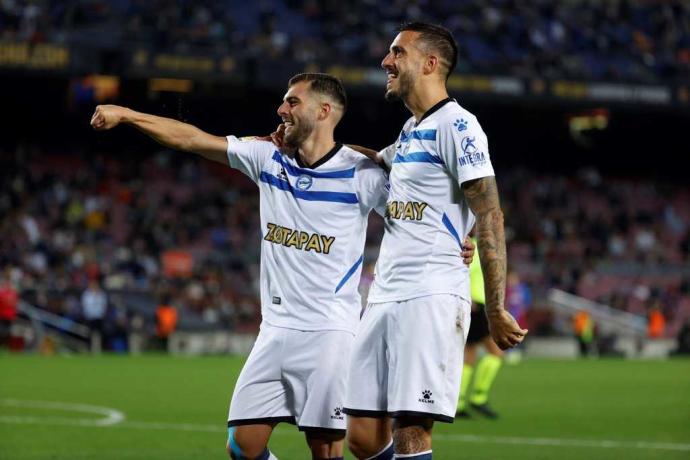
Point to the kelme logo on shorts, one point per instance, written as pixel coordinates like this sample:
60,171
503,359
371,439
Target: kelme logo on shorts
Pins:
426,397
337,414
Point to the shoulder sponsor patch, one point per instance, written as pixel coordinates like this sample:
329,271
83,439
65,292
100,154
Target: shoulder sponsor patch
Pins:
470,153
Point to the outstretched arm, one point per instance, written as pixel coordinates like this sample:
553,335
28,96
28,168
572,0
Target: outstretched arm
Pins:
482,198
166,131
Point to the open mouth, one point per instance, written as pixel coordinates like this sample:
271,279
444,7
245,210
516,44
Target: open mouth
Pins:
391,77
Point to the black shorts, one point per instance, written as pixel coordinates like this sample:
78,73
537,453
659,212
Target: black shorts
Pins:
479,326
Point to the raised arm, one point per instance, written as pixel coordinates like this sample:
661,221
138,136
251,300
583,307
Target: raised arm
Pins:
166,131
482,197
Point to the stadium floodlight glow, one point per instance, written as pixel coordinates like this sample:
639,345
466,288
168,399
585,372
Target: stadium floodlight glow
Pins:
585,122
172,85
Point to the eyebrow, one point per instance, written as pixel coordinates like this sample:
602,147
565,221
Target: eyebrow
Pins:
397,49
291,99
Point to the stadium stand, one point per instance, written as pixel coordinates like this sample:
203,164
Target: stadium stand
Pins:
622,40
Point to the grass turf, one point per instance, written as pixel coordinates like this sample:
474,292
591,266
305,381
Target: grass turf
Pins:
176,408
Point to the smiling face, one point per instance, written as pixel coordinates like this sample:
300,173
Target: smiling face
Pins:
298,112
403,64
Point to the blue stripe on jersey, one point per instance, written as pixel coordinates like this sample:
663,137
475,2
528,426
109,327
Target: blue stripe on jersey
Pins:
295,171
349,273
335,197
451,229
420,135
417,157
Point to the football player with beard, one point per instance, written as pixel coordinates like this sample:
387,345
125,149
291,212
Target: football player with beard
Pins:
314,205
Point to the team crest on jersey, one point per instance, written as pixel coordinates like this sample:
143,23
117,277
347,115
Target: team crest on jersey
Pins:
247,138
304,182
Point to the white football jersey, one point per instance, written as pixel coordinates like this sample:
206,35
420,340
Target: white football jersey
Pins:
427,216
313,228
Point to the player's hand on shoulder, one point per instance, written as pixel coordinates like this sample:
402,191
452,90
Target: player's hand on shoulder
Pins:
467,252
107,117
505,331
373,155
276,137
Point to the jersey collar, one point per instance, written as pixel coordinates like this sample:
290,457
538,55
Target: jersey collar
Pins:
331,153
433,109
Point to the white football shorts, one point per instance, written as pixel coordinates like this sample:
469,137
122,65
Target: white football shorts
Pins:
407,358
293,376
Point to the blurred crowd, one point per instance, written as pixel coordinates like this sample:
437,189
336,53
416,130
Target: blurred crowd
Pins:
71,222
620,242
635,40
74,225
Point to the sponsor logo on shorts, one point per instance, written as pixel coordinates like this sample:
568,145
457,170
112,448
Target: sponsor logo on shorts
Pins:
426,397
338,414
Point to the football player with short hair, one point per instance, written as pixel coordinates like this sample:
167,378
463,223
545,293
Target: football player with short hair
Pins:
409,347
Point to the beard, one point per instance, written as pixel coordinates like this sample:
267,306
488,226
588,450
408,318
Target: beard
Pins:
405,81
298,134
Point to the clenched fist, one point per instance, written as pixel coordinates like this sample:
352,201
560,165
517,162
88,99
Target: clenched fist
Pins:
107,117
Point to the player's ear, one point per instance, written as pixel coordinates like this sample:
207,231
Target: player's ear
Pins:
431,63
325,110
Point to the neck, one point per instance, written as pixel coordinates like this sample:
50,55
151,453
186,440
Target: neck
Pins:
315,147
423,97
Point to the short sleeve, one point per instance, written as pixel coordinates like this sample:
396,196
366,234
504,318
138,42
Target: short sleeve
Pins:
249,155
387,155
372,183
465,149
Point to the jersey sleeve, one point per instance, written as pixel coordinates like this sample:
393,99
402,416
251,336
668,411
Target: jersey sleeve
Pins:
372,183
249,155
387,155
464,148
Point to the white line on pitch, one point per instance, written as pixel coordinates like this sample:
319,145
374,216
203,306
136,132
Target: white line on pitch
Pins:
112,416
561,442
511,440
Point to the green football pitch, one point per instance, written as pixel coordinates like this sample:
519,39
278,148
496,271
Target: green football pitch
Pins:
163,407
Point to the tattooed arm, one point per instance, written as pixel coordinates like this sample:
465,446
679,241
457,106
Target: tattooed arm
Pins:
482,198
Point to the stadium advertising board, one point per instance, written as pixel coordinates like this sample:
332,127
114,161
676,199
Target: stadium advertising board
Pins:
24,55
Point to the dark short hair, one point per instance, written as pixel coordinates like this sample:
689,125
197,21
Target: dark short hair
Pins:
325,84
439,39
